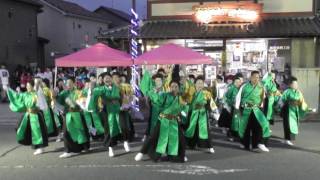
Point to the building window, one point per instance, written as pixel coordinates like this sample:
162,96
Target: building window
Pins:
79,26
100,30
30,33
10,13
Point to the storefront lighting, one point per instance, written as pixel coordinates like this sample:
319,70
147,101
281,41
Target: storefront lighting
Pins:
244,12
208,15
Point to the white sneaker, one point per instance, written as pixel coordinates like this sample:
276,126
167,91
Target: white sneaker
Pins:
263,148
111,154
289,143
231,139
211,150
59,137
185,159
241,146
144,138
85,150
126,146
224,131
138,157
67,155
38,151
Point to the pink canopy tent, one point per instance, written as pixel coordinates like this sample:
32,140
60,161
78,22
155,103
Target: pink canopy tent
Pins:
98,55
172,54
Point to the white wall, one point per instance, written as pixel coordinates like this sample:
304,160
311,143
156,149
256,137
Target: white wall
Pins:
52,26
76,36
172,9
281,6
63,37
309,83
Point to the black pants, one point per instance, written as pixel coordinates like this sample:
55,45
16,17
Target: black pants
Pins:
196,141
253,133
150,145
265,110
286,126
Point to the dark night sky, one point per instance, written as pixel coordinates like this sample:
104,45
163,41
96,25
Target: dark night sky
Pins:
123,5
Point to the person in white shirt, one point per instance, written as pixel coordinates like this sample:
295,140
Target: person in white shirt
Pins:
221,88
4,82
48,75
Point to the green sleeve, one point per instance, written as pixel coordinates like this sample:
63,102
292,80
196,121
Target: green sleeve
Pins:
156,98
114,93
16,101
284,97
267,82
267,79
228,96
146,83
85,92
61,97
99,91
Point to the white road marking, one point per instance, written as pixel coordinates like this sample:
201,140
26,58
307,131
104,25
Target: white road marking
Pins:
198,170
174,169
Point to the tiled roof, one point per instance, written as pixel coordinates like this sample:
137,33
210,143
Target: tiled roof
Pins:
74,9
276,27
116,12
32,2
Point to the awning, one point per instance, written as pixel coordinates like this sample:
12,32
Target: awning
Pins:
98,55
172,54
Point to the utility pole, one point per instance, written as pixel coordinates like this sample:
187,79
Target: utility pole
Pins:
134,5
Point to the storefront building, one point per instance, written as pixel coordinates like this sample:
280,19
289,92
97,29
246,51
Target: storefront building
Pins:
240,36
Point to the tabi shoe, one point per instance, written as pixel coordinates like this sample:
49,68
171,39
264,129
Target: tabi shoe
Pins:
263,148
38,151
111,154
138,157
211,150
67,155
289,143
126,146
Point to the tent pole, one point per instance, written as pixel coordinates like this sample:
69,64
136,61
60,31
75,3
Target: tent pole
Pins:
55,76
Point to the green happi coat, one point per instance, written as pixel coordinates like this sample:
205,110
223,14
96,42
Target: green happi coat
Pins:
297,108
250,102
147,85
199,108
229,100
26,102
187,91
92,114
48,113
111,95
168,140
74,125
272,93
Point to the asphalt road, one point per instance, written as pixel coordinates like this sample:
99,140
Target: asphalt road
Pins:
229,162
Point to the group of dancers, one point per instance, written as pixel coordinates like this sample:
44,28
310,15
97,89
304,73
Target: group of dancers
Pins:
179,113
